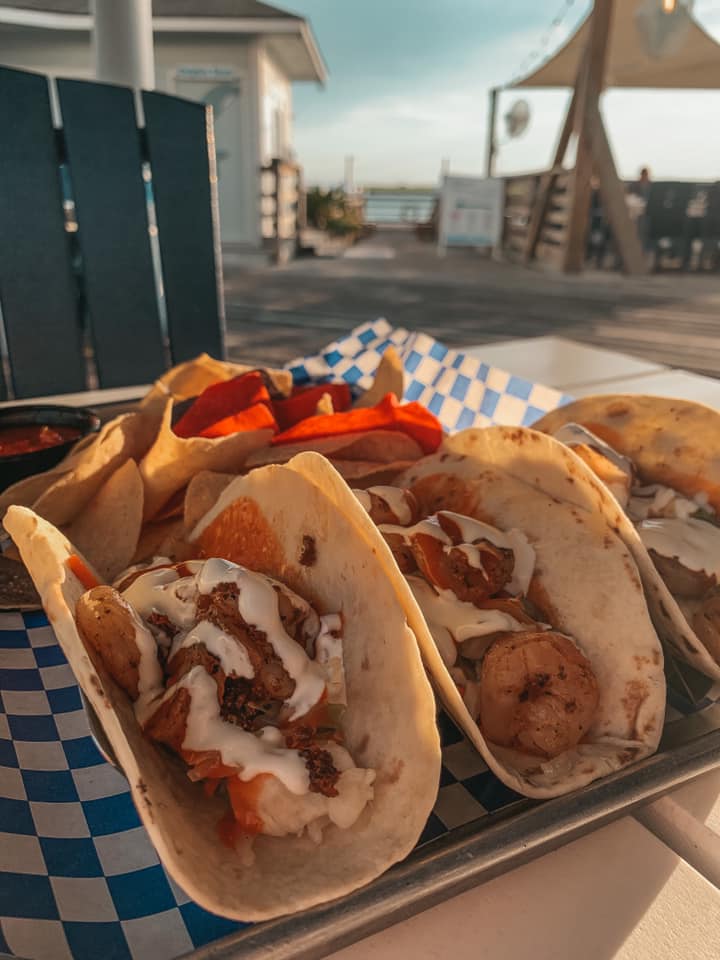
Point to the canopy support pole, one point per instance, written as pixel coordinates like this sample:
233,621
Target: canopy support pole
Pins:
589,87
491,143
593,156
612,194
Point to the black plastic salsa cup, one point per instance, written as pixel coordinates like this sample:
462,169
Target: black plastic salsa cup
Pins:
21,465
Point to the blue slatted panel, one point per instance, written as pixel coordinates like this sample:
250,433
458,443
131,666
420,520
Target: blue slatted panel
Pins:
105,161
181,147
38,291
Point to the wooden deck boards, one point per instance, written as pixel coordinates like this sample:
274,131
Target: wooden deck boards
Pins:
277,314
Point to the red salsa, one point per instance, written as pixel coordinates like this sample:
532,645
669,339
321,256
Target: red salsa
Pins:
32,437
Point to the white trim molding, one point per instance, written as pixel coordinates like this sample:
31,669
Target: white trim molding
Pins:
257,26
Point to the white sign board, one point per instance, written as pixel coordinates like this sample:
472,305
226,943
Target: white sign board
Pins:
470,212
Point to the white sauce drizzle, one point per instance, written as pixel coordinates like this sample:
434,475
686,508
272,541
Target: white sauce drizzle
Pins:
396,500
430,527
252,754
329,653
471,554
165,592
258,605
448,616
150,675
694,543
363,497
656,500
472,530
230,652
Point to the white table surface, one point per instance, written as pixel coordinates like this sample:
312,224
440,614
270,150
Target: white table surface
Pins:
617,893
663,383
88,398
558,362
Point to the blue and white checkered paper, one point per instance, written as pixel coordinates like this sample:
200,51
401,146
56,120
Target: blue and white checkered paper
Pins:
460,390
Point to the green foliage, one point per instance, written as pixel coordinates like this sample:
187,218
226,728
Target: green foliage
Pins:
334,211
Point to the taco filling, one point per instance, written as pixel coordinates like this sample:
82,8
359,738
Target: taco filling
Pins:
528,686
240,677
681,533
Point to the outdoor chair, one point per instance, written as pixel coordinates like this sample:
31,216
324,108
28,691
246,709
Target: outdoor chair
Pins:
109,243
711,229
667,222
599,236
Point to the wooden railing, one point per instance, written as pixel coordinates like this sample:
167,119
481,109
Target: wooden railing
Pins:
520,194
519,198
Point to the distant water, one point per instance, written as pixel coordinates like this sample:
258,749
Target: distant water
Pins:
400,207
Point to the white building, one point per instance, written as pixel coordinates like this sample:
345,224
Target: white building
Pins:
241,56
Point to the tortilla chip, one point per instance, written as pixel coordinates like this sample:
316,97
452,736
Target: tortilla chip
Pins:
172,461
389,378
324,406
202,492
379,446
173,508
126,437
108,528
155,538
189,379
25,492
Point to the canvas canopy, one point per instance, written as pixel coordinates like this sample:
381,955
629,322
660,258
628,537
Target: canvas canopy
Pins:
648,47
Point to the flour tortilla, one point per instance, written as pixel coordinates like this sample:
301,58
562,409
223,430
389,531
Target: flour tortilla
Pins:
389,724
671,442
585,578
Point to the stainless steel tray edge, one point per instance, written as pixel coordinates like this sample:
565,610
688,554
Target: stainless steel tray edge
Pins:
466,857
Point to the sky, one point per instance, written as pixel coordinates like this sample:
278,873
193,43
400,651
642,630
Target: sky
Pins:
408,84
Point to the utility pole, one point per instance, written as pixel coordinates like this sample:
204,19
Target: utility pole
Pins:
490,146
349,183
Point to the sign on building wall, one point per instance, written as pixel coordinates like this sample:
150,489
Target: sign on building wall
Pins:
205,72
470,212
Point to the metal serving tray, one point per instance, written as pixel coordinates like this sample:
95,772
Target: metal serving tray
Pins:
469,855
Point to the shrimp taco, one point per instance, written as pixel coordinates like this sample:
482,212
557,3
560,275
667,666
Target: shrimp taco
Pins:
263,694
536,629
659,459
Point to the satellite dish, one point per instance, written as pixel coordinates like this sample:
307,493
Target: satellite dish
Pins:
517,118
663,26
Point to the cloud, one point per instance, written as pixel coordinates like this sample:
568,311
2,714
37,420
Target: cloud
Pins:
402,137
